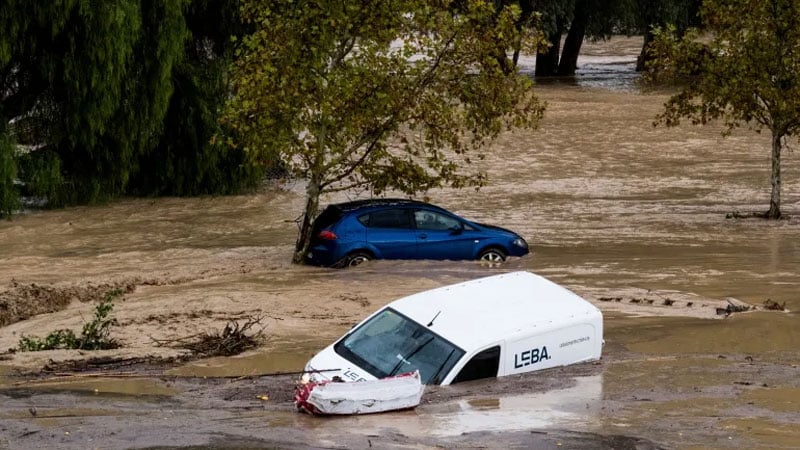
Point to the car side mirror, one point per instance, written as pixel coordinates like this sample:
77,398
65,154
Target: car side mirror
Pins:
456,230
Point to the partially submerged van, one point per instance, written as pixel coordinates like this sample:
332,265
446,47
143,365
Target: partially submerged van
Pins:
489,327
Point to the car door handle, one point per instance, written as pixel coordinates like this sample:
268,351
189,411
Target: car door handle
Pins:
423,236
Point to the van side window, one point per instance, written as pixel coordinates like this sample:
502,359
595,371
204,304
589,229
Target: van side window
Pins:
482,365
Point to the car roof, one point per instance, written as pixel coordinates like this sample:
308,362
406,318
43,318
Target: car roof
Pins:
476,313
379,202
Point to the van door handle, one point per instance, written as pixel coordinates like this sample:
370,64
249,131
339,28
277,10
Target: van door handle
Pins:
423,236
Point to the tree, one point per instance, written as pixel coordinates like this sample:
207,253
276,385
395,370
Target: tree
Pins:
746,71
646,15
555,17
191,156
568,62
599,19
117,97
9,201
593,19
395,96
89,82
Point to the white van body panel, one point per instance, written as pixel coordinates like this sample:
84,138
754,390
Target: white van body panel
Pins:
537,323
554,348
328,364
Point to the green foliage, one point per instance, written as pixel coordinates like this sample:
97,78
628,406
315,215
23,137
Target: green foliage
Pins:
640,16
556,14
9,195
192,155
41,171
676,59
99,159
121,96
744,72
95,334
93,79
59,339
396,96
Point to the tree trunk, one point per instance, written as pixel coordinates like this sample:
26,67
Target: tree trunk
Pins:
574,40
547,63
527,10
775,178
502,61
304,236
644,55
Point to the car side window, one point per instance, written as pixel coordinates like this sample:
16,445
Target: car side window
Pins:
482,365
387,218
429,220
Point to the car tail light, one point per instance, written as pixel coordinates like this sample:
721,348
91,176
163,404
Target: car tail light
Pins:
327,235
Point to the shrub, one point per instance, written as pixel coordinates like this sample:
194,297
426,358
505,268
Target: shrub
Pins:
94,336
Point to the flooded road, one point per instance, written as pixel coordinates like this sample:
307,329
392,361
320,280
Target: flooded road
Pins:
613,208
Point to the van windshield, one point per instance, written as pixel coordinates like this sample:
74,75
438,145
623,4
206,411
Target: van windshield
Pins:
390,344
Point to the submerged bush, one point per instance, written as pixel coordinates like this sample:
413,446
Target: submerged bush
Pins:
94,336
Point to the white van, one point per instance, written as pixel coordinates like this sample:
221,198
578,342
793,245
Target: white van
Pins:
489,327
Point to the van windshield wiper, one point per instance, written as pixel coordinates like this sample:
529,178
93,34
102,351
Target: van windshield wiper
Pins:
410,355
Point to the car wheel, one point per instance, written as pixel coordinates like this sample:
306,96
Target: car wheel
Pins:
357,258
492,256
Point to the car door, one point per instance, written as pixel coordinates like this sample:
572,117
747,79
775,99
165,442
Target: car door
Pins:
391,232
441,236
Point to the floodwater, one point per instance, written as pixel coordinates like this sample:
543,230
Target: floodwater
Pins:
557,408
609,204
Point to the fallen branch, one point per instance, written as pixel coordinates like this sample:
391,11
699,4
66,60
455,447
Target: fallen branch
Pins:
235,338
172,342
772,305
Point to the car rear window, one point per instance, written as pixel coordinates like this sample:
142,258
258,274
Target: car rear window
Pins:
328,217
387,218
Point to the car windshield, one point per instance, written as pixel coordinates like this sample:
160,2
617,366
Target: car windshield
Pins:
390,343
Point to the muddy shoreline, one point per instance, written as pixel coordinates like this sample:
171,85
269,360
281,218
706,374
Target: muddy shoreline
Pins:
248,402
93,405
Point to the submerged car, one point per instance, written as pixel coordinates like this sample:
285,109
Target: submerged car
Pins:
347,234
489,327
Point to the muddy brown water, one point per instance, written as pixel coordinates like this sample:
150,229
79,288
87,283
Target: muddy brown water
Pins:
611,206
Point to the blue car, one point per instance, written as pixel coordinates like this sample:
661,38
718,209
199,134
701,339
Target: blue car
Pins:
347,234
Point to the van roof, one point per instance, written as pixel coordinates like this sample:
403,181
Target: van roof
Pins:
487,310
